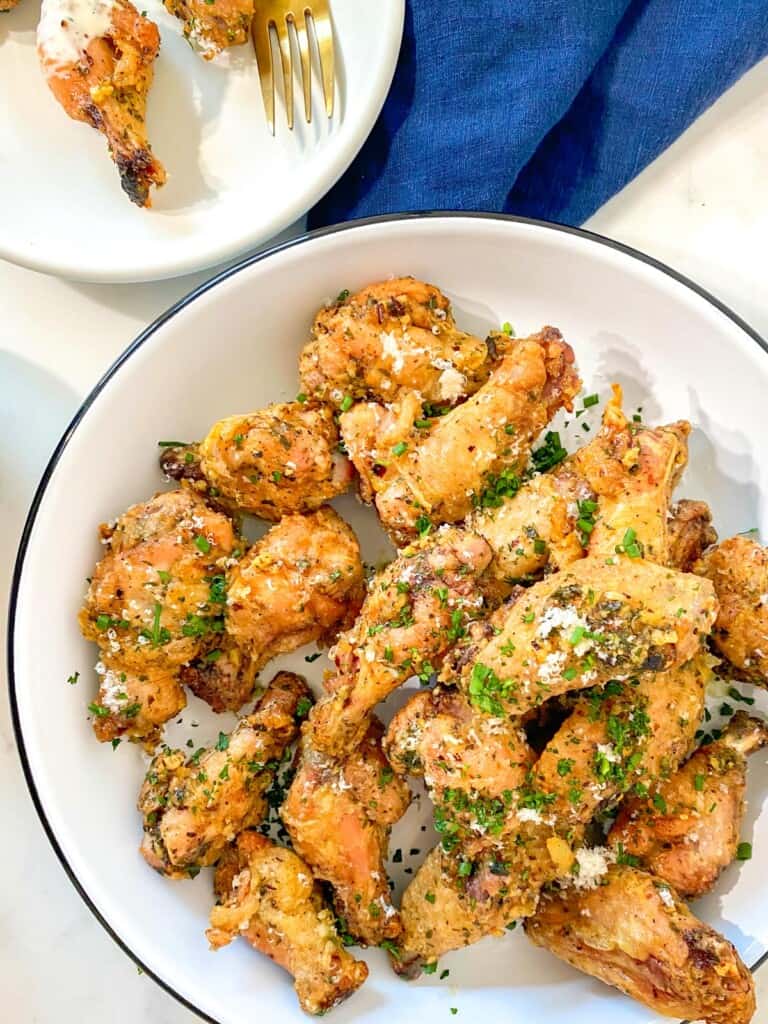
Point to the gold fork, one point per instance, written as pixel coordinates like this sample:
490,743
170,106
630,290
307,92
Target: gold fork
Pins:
287,17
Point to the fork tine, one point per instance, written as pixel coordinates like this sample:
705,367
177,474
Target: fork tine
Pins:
321,16
260,32
286,57
300,22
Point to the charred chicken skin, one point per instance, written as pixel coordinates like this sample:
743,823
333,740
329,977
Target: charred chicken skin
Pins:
98,61
194,806
267,895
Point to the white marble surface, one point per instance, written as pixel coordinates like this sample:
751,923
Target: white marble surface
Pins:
702,207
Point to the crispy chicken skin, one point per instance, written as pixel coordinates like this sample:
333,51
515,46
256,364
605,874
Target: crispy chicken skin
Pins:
193,807
391,339
415,610
585,625
687,830
338,815
211,28
267,894
690,533
104,80
738,568
435,470
135,705
271,463
155,602
302,582
657,951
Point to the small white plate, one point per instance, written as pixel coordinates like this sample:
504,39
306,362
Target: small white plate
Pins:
232,346
231,185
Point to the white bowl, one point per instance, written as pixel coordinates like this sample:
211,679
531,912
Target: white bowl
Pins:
232,346
231,185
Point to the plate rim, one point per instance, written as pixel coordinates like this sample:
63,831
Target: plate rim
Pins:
144,336
233,250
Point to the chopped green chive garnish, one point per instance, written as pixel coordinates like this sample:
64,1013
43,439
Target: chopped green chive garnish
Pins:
202,544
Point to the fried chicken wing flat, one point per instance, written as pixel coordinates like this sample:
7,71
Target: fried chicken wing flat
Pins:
415,610
738,568
97,57
210,28
496,854
434,471
154,603
588,624
194,806
280,460
631,931
391,339
686,830
338,814
267,895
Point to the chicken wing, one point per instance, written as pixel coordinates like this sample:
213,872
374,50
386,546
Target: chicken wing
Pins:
738,568
338,815
687,830
210,26
391,339
590,623
7,5
155,602
438,734
283,459
495,855
267,894
193,807
415,610
633,932
690,533
97,57
434,471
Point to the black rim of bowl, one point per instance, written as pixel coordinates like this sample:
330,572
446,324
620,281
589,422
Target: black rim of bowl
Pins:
143,337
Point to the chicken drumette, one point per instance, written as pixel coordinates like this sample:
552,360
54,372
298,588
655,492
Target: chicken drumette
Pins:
270,463
631,931
339,814
194,806
421,471
392,339
98,62
415,610
155,602
687,829
302,582
267,895
738,568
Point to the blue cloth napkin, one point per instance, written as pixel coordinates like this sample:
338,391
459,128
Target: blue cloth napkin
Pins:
541,107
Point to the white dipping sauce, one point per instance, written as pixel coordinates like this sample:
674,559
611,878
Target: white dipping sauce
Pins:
67,26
